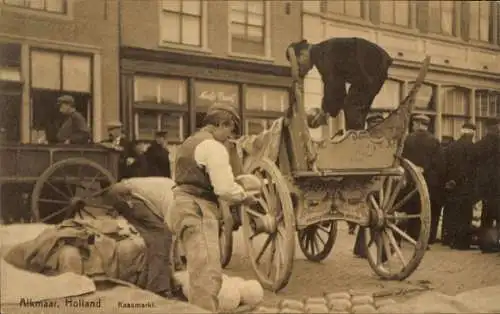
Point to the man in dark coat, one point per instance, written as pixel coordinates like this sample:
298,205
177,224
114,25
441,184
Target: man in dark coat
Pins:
424,150
356,61
460,179
487,163
74,129
119,142
157,156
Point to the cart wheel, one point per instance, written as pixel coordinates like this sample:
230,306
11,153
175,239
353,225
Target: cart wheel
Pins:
312,240
270,224
226,236
396,241
66,187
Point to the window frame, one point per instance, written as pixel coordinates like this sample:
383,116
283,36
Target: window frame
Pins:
476,36
466,117
91,110
393,23
264,115
203,46
481,118
452,11
267,55
363,14
161,108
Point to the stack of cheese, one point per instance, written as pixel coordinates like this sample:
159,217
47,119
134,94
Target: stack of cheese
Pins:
235,291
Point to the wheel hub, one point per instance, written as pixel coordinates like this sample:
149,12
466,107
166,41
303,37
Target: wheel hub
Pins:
377,219
77,203
265,223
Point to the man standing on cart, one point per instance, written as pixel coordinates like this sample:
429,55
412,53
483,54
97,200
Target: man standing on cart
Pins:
203,174
357,61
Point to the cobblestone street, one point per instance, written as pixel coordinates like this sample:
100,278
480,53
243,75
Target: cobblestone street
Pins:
443,270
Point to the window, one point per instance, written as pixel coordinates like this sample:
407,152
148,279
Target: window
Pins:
425,99
345,7
487,106
248,26
395,12
160,104
181,22
52,6
455,109
263,105
10,91
208,93
479,20
389,97
54,74
442,17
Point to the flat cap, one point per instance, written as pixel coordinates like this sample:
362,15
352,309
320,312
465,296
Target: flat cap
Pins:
422,118
227,108
374,117
161,133
469,126
66,99
114,125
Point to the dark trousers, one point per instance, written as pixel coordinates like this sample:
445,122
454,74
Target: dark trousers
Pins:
158,239
459,212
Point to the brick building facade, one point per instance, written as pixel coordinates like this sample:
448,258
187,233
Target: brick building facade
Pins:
462,38
54,47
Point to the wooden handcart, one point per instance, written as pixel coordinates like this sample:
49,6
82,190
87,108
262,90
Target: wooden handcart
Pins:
359,177
50,183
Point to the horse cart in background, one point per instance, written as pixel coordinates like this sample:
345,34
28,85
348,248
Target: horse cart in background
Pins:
50,183
359,177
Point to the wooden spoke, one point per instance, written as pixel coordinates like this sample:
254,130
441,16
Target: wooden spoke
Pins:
276,202
404,200
48,207
311,242
393,195
394,200
58,191
51,201
264,248
56,213
395,246
402,233
404,216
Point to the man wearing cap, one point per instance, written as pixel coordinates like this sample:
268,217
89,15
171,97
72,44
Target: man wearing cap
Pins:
424,150
157,156
459,185
357,61
203,175
487,163
74,129
119,142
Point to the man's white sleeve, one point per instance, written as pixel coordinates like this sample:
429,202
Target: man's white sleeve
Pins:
212,155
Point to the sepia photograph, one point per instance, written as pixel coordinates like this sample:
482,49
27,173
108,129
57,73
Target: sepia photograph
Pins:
249,156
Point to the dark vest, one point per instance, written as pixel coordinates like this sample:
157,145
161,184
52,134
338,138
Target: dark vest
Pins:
189,177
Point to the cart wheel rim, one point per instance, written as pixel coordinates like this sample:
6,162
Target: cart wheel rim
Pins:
272,262
404,234
67,187
316,241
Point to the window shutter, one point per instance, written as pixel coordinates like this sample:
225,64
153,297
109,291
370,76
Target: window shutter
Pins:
374,12
423,16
